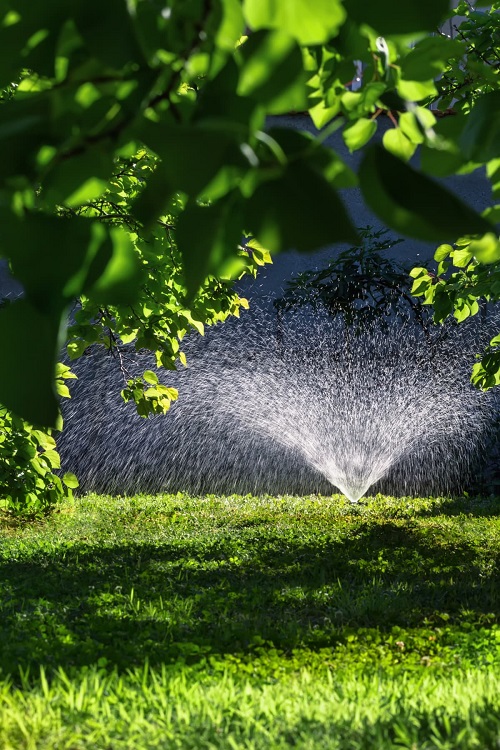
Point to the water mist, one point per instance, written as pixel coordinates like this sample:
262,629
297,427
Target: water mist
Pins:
315,409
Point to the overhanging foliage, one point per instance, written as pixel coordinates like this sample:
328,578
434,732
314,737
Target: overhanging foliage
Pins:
95,83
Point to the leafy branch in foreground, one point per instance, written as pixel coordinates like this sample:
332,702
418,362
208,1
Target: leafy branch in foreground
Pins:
96,83
160,317
476,72
467,276
29,461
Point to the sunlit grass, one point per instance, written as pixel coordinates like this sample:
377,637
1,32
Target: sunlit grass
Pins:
158,708
252,623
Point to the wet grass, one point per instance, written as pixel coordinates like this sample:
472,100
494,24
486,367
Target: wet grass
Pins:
178,622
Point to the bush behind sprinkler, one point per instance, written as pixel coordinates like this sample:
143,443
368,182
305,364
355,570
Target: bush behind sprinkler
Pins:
390,409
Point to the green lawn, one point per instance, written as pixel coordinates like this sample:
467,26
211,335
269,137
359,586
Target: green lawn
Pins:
178,622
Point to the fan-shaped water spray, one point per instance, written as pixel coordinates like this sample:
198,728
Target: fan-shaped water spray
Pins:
318,409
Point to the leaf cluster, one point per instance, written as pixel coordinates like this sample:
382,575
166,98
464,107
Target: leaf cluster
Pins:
466,279
159,318
98,84
476,73
29,461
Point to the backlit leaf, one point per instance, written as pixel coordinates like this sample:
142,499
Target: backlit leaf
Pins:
232,25
53,458
359,133
299,209
480,139
79,179
272,71
442,252
415,91
428,58
121,279
486,249
397,143
462,256
309,25
207,236
412,203
70,480
414,124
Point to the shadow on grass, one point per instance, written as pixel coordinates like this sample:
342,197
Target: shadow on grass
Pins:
477,507
127,602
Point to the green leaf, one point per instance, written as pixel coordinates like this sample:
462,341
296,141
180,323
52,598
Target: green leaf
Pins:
62,390
429,57
486,374
391,100
461,312
207,236
23,46
415,91
49,277
492,214
45,441
359,103
70,480
220,103
398,144
328,162
29,121
493,174
321,113
486,249
53,458
76,348
359,133
192,155
415,273
232,25
420,286
413,124
462,257
394,17
413,204
121,280
299,209
150,377
442,252
296,17
444,157
79,179
480,139
272,71
29,341
442,302
63,371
